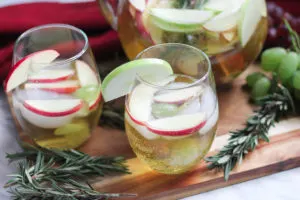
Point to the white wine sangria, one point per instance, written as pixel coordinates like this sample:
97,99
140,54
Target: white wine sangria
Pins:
54,86
171,108
230,32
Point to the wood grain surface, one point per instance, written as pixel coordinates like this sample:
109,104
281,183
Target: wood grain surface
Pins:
282,153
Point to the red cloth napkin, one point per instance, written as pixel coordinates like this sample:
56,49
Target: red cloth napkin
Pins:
16,19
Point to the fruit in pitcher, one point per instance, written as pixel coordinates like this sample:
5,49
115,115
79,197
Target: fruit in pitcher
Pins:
50,113
19,72
252,11
179,20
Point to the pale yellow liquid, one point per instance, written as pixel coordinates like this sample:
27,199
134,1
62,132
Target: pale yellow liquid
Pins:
170,156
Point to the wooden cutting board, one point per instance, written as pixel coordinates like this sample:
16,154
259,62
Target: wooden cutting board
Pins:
282,153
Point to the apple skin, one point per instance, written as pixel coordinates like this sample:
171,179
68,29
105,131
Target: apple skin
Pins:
133,119
63,78
95,104
179,102
184,132
67,90
18,64
53,114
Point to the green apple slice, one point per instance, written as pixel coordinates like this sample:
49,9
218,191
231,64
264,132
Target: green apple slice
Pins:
251,14
179,20
228,17
216,5
118,82
222,5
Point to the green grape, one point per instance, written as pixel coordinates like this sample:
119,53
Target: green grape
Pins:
252,78
261,87
164,110
296,80
298,61
88,93
288,66
271,58
297,94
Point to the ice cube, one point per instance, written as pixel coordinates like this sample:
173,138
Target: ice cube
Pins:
208,101
37,94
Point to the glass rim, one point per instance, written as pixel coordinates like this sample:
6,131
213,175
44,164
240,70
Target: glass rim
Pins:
200,80
56,25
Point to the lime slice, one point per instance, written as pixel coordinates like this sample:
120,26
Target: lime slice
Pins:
251,14
118,82
180,20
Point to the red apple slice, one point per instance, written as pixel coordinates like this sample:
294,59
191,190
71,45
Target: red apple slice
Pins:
50,113
140,102
49,76
178,96
68,86
19,72
177,126
93,104
141,129
86,75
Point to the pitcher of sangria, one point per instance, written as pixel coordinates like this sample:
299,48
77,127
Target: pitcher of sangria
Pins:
230,32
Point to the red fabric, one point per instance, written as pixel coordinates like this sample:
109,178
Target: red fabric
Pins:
16,19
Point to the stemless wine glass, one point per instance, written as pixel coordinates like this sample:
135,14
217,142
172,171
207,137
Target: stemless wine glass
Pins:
171,123
54,86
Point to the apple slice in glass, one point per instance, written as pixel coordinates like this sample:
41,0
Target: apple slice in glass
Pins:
50,113
179,125
86,75
19,72
50,76
64,87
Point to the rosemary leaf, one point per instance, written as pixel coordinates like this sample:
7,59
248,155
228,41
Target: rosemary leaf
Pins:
55,174
272,108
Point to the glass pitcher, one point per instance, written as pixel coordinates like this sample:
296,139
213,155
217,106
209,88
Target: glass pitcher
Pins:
231,32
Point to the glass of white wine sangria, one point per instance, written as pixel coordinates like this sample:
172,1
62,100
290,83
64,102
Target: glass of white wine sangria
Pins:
54,86
171,107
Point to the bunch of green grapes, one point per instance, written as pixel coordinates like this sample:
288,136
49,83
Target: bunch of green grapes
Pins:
287,66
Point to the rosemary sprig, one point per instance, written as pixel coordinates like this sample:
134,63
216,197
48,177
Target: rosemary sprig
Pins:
54,174
272,107
83,164
112,117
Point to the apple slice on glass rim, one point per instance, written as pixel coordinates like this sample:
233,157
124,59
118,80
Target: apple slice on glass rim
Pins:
63,87
50,113
118,82
19,72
